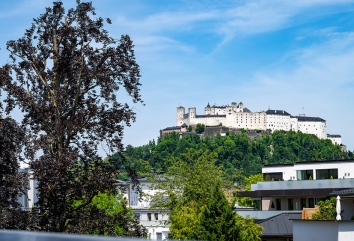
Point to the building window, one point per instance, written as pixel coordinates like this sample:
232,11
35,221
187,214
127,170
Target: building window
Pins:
278,204
304,174
156,216
326,174
149,216
276,176
290,204
311,202
137,215
302,203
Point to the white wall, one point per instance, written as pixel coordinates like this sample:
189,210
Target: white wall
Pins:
236,118
335,140
345,169
156,227
311,230
313,127
278,122
28,200
288,171
305,230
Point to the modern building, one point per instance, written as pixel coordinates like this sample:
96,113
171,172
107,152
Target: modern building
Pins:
28,200
324,230
290,188
156,222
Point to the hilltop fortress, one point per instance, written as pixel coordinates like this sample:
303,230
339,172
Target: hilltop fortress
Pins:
236,116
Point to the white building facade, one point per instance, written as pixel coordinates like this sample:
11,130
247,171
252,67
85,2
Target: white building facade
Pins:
154,221
293,187
28,200
233,116
239,117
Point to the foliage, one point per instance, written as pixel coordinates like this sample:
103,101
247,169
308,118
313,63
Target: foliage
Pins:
249,230
112,217
217,219
185,222
64,76
327,210
190,178
239,155
192,190
12,182
246,201
199,128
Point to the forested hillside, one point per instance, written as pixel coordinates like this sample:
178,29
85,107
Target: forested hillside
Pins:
237,154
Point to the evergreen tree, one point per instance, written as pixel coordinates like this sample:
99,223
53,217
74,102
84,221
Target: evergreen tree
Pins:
192,190
217,219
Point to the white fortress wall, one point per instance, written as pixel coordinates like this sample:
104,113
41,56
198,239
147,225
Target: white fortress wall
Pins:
237,116
336,139
294,124
312,125
278,120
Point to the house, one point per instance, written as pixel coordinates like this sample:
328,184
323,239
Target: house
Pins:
156,222
28,200
292,187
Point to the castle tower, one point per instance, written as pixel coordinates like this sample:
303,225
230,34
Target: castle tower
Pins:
207,109
192,112
180,115
233,106
240,107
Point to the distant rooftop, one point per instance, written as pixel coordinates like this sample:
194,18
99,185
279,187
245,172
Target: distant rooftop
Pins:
277,112
312,119
280,225
172,128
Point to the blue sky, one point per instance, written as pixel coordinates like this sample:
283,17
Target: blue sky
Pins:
296,56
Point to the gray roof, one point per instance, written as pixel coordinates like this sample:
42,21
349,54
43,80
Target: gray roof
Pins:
172,128
277,112
280,225
203,116
312,119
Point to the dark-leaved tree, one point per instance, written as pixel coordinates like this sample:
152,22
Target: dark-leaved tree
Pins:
12,182
64,77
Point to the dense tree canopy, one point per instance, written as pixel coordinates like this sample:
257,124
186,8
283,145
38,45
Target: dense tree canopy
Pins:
64,77
12,183
327,210
192,190
239,155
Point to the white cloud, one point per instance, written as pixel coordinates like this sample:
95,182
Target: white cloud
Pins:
239,18
269,15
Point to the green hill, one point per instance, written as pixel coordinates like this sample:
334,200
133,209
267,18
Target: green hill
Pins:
238,154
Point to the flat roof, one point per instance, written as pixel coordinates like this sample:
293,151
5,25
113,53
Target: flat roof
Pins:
290,192
309,162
